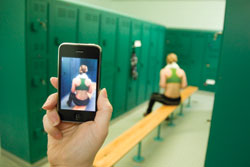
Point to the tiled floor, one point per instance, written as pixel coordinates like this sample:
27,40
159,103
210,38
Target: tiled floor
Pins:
184,144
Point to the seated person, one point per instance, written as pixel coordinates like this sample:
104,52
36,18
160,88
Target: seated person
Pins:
172,79
81,89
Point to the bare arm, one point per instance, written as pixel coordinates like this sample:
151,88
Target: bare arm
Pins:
88,83
74,84
184,80
162,79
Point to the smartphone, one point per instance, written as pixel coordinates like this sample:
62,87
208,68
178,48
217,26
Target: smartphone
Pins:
78,81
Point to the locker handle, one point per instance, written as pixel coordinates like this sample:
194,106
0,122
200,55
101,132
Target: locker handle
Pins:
56,41
129,88
33,27
119,69
104,43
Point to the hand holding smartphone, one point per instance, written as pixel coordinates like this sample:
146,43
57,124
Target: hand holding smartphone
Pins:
79,78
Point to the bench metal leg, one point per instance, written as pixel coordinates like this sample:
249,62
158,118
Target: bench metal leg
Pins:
138,157
189,102
158,137
181,110
171,121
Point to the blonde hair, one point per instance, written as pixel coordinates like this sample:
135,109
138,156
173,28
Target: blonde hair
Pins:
171,57
83,69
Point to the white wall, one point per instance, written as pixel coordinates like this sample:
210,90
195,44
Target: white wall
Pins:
189,14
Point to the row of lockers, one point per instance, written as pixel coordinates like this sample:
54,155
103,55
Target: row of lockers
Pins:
46,24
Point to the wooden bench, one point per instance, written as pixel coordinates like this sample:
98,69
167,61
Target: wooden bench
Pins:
114,151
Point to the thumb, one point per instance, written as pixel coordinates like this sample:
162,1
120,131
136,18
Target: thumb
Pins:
104,109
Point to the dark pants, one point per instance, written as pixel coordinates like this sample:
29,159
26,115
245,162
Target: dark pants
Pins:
157,97
72,97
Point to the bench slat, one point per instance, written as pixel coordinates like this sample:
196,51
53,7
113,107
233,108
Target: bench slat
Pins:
119,147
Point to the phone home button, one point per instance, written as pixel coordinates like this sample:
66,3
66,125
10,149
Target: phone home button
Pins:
78,116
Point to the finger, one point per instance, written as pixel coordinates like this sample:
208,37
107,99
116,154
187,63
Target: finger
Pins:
53,117
51,102
54,82
50,129
104,109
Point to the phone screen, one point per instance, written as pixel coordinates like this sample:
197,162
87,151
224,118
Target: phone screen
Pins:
78,84
79,69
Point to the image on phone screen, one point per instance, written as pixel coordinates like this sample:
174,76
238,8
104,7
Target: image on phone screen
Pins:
78,84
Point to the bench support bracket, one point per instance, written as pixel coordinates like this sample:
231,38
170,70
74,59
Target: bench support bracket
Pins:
181,110
189,102
171,121
158,137
138,157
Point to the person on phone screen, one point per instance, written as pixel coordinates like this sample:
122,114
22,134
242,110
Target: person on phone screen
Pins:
81,90
75,144
172,79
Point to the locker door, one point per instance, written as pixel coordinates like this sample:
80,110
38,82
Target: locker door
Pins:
194,72
88,25
132,84
64,27
143,63
211,60
184,53
151,63
108,44
122,66
37,54
172,41
160,59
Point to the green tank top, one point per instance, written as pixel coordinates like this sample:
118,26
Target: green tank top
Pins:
174,77
82,86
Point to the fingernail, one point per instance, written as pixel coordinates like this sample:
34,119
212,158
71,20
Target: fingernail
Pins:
105,92
46,103
51,78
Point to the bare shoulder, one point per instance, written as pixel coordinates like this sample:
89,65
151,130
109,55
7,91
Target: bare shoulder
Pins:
77,81
180,72
87,82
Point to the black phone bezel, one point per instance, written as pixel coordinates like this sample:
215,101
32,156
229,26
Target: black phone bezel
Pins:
90,51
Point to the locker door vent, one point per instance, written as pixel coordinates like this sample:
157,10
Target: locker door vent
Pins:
88,16
94,18
71,14
39,7
61,12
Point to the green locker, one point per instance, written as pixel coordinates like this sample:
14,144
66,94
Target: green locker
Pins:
195,62
151,80
160,57
143,63
172,41
25,61
211,60
108,44
88,31
132,84
228,144
63,29
122,66
37,71
184,55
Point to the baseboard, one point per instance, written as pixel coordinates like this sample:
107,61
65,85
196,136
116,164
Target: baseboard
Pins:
20,161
